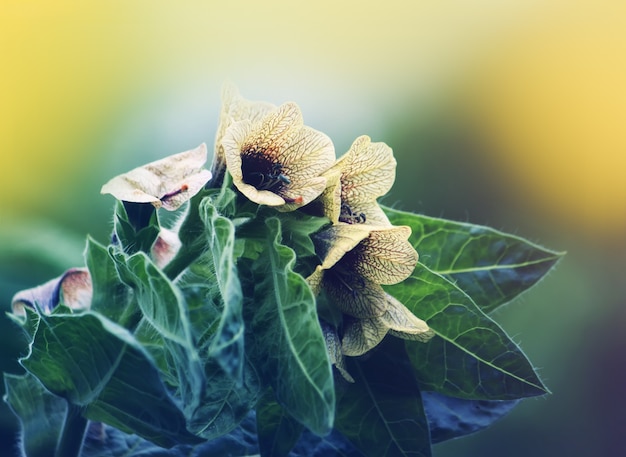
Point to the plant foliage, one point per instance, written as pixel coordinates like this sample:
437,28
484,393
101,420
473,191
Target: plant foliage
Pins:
227,333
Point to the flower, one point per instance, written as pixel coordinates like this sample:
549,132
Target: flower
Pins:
166,183
356,261
278,161
234,108
364,173
73,288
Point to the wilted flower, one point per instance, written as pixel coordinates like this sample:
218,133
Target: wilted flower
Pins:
73,288
166,183
363,174
234,109
278,161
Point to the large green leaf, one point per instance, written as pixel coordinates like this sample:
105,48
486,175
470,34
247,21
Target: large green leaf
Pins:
286,337
94,363
470,356
490,266
41,414
227,345
382,411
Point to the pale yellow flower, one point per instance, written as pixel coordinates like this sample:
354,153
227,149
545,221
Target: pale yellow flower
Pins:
356,260
278,161
166,183
362,175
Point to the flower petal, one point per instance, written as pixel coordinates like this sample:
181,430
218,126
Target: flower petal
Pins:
354,295
333,345
234,109
384,257
403,323
334,242
167,182
368,171
362,335
73,289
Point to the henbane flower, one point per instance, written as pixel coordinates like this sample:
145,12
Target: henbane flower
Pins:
357,260
278,161
363,174
166,183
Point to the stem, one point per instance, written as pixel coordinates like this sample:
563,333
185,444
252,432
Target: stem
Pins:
73,433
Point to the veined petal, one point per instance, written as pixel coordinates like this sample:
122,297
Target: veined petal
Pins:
362,335
234,108
366,172
354,295
335,354
333,243
385,256
403,323
167,182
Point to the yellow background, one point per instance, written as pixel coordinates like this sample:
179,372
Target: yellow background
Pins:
544,81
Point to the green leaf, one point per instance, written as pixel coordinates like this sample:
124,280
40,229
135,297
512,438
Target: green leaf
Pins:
94,363
382,411
192,232
111,297
470,356
227,345
41,414
219,404
277,431
160,301
490,266
289,349
297,228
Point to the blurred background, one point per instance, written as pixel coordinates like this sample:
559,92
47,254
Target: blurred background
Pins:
503,113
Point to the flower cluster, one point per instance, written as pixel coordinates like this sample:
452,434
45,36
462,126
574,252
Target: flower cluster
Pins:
277,161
